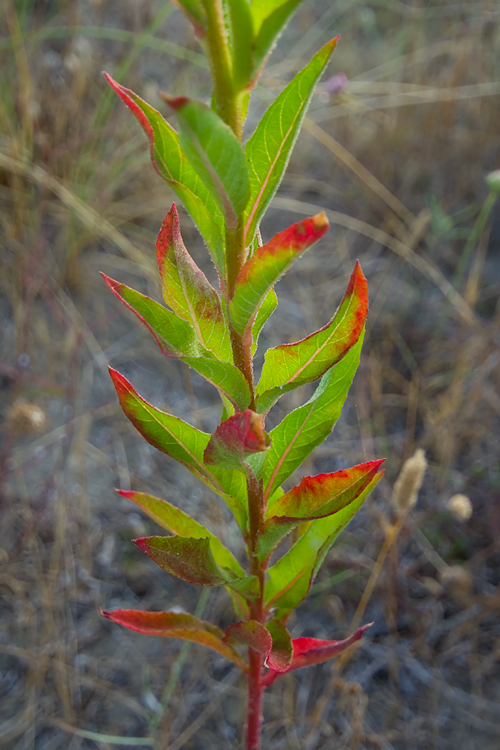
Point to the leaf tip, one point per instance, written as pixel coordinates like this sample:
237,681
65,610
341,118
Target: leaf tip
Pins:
320,221
142,543
175,102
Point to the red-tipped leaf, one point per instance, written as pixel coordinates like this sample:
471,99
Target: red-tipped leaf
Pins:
291,577
290,365
177,625
172,164
177,522
315,497
177,338
187,290
235,439
183,442
268,264
309,651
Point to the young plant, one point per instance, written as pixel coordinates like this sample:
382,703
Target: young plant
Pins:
226,187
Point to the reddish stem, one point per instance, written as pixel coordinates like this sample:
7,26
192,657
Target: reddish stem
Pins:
255,690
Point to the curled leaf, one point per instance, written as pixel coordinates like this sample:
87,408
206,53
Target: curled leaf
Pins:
238,437
251,634
280,656
309,651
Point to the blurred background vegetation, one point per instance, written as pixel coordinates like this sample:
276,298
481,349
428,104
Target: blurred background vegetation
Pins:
396,148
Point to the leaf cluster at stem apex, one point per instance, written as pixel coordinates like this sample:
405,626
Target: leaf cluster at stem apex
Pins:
226,187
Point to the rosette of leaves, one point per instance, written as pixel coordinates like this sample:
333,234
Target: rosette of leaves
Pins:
226,187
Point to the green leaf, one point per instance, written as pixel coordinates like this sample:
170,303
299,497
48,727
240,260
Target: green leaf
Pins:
188,292
195,12
177,522
264,312
262,9
290,365
183,442
271,28
177,338
177,625
235,439
315,497
215,153
309,425
291,577
240,14
187,558
268,264
248,587
173,165
280,657
269,148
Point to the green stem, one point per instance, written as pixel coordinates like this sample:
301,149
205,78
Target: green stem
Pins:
227,101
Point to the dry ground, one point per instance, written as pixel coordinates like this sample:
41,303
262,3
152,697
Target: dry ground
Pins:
397,158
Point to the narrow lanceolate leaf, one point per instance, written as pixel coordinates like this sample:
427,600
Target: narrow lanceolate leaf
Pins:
187,558
268,264
269,148
177,522
264,312
174,336
251,634
177,338
308,651
173,165
280,656
188,292
291,577
235,439
215,153
315,497
290,365
183,442
177,625
269,31
309,425
324,494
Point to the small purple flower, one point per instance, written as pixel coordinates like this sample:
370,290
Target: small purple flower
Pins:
336,83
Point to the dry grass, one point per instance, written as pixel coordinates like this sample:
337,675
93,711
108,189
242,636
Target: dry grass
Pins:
397,159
